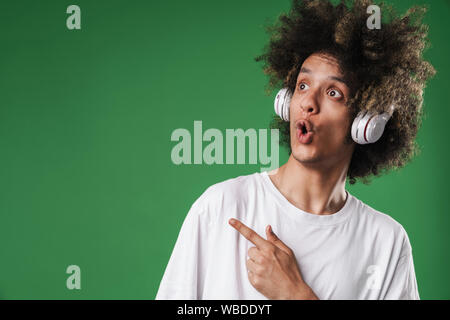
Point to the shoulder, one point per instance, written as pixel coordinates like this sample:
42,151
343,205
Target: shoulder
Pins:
226,194
377,218
382,226
234,187
230,190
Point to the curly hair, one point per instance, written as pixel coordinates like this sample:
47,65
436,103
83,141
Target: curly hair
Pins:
382,66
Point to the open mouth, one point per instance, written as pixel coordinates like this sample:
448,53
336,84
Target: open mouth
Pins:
303,128
304,132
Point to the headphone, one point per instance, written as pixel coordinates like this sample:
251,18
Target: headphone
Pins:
367,126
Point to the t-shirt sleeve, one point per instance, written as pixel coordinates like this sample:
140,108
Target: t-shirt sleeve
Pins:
404,283
183,278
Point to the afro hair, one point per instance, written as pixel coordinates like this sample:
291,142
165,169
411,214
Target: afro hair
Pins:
383,67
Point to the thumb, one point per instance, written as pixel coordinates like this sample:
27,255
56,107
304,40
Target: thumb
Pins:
273,238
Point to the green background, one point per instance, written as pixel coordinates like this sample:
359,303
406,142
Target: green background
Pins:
86,116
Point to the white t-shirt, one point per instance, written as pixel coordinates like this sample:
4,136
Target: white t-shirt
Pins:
355,253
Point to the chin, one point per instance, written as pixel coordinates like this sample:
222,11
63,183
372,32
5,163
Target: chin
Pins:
304,156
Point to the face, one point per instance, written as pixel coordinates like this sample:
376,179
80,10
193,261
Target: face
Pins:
319,103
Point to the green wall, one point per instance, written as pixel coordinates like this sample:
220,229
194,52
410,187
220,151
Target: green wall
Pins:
86,116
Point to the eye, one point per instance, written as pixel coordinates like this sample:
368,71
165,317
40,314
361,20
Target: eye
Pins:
303,86
334,93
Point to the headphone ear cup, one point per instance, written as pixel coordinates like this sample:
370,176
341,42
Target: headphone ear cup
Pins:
368,127
277,103
282,103
287,105
375,127
362,128
356,134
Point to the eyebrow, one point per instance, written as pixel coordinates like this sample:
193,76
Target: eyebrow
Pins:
306,70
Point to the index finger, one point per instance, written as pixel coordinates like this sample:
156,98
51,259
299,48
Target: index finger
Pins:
249,234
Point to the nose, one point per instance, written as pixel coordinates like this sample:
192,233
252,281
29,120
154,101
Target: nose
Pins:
309,104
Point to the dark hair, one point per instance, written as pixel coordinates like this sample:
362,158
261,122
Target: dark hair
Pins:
383,66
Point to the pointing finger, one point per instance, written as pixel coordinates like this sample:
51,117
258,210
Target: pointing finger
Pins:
250,235
273,238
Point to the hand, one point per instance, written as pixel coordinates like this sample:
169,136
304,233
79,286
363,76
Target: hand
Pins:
272,267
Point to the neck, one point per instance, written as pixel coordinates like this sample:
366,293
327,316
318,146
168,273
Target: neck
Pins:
314,190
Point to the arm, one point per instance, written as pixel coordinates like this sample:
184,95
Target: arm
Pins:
184,274
403,285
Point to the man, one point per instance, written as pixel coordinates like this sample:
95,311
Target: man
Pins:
295,232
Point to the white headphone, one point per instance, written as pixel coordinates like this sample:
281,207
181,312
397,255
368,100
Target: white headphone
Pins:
367,127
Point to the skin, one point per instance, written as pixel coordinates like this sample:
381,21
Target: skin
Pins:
320,96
